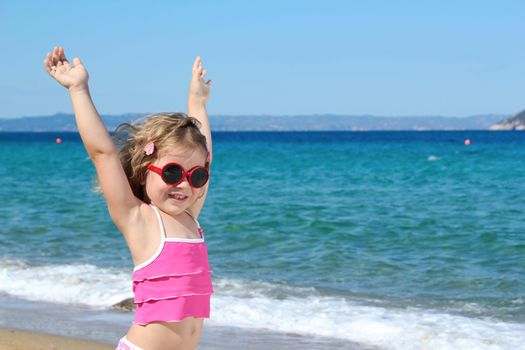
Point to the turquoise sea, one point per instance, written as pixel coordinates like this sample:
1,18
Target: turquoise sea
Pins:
398,240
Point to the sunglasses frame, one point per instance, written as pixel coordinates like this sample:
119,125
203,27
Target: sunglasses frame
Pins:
185,174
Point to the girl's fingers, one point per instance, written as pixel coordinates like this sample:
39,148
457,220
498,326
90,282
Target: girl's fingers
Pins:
55,58
196,63
51,69
47,63
62,54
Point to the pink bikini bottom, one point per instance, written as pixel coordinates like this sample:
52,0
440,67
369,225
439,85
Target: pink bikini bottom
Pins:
125,344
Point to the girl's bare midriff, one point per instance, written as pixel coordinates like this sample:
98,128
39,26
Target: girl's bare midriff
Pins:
182,335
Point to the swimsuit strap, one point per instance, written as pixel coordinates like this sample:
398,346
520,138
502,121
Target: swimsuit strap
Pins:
161,224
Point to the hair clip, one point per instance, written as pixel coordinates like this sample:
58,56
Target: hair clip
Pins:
149,148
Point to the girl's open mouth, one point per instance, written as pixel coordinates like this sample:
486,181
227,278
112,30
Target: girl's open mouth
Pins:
178,196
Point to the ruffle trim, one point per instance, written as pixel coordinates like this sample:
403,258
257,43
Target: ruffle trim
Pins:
172,297
151,278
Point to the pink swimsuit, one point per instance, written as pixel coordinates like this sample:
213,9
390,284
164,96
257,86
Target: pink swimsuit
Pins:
175,282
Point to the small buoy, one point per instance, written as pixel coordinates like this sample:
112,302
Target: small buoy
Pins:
58,140
467,142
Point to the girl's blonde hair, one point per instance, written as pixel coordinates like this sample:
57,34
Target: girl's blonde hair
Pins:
165,131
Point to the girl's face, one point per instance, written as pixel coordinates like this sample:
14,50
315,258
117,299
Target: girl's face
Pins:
174,199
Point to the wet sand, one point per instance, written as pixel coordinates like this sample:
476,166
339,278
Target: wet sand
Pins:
14,339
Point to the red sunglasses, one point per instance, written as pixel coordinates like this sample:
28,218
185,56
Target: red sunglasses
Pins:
174,173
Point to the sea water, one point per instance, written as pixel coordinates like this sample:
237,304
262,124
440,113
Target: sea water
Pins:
400,240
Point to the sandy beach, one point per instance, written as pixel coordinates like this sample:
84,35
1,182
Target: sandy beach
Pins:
14,339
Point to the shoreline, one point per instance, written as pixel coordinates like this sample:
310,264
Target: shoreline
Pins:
80,327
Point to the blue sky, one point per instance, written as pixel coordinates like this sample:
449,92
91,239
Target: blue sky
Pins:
390,58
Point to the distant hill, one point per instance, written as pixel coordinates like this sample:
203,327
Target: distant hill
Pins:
350,123
58,122
66,122
516,122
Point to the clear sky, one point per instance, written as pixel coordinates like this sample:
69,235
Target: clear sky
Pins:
390,58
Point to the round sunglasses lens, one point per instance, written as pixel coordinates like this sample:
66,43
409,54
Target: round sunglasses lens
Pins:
199,177
172,174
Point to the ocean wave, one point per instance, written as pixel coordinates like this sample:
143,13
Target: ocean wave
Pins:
275,307
81,284
339,317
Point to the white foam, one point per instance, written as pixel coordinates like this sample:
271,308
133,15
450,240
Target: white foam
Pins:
256,304
432,158
403,328
82,284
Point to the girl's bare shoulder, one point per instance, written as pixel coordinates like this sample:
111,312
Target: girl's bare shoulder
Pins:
142,235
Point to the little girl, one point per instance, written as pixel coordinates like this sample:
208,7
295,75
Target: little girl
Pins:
155,187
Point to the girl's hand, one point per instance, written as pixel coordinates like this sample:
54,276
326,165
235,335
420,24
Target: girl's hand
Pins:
199,89
69,75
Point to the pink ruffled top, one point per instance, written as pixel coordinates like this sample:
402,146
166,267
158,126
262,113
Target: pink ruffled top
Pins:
175,282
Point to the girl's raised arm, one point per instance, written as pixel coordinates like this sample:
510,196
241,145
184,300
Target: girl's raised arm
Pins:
197,98
122,204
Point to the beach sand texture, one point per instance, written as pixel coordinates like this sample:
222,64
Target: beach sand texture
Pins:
14,339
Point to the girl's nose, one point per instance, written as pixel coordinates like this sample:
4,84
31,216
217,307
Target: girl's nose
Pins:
184,182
